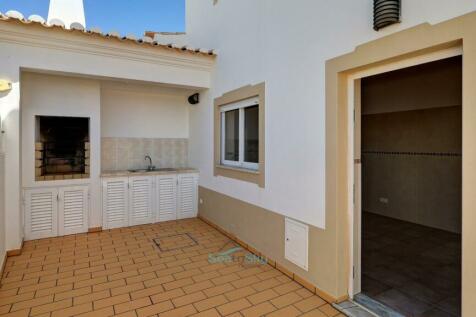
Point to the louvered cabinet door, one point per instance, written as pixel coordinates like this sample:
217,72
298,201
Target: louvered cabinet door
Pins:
140,200
187,196
41,213
166,197
73,210
115,206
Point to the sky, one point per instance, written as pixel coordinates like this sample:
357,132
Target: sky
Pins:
123,16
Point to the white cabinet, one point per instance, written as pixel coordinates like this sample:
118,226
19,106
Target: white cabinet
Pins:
73,210
115,202
166,202
136,200
50,212
140,200
41,213
296,242
187,196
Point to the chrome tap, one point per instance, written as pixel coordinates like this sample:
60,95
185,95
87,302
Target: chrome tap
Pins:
150,167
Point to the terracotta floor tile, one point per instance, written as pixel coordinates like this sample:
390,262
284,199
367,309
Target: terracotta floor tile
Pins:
240,293
262,296
155,309
285,300
180,312
122,273
221,289
132,305
314,313
91,297
103,312
208,313
38,310
110,301
258,310
73,311
229,308
188,299
309,303
32,303
211,302
270,283
127,288
289,311
157,298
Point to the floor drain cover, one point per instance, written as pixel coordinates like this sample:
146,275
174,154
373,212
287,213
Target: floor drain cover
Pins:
175,242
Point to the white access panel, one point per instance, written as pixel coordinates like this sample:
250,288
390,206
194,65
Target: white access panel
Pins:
41,213
166,203
73,210
115,206
187,196
140,200
296,243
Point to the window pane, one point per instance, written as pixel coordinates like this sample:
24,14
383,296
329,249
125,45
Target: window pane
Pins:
252,134
232,128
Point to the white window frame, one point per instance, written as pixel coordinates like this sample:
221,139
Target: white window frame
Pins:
240,105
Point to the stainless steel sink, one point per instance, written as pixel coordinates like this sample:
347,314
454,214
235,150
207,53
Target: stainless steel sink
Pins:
144,170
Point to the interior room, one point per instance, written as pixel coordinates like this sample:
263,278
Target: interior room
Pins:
411,188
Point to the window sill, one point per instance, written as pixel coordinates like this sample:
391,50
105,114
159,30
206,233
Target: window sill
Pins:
238,169
243,174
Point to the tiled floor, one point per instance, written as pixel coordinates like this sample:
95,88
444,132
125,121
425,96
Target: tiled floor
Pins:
415,270
124,273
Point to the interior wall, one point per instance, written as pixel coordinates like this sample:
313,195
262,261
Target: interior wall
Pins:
52,95
411,151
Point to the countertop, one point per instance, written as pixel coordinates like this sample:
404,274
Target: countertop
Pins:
126,173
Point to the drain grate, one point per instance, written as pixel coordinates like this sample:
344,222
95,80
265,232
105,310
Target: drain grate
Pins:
175,242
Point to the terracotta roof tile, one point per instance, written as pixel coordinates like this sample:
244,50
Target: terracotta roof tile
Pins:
17,17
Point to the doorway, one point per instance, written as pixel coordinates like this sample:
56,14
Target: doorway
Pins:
409,141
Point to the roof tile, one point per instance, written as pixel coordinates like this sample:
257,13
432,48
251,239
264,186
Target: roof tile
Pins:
15,16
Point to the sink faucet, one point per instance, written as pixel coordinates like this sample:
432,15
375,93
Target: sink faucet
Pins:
150,167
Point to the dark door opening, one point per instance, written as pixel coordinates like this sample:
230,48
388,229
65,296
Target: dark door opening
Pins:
411,188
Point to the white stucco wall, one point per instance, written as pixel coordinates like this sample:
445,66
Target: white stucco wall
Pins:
32,47
286,44
2,209
62,96
143,111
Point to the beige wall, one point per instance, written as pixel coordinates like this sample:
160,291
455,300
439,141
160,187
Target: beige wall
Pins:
414,110
264,230
415,43
129,153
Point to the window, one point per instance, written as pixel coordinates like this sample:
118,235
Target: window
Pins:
240,134
239,150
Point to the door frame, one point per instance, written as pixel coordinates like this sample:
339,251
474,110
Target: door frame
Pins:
354,163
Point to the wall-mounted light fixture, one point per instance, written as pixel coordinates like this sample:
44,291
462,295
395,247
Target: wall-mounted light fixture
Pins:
194,99
386,12
5,85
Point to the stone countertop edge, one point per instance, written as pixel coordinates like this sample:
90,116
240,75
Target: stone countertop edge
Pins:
107,174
